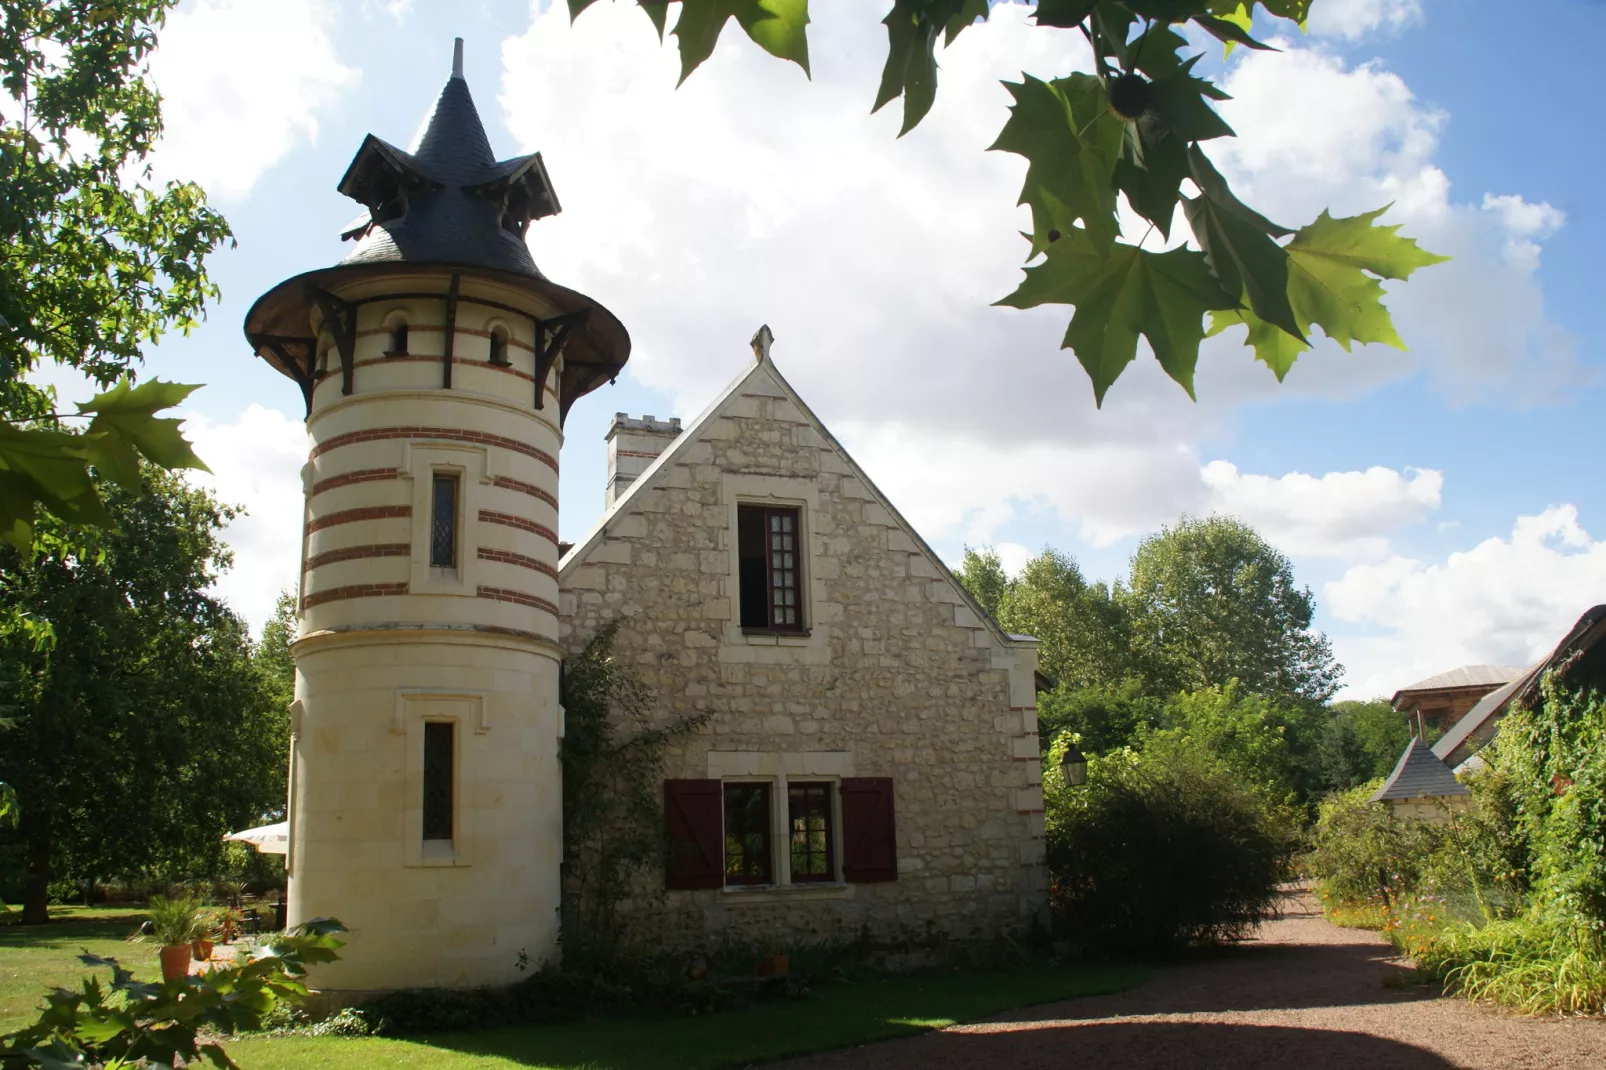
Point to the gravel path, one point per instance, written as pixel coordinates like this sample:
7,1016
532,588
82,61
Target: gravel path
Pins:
1304,996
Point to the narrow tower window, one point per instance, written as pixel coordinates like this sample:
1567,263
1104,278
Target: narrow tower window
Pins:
398,340
443,521
438,746
498,346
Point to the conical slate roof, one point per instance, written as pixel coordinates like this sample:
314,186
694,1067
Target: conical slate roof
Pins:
449,201
449,205
1419,773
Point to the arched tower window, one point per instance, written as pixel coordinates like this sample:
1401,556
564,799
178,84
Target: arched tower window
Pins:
398,339
499,345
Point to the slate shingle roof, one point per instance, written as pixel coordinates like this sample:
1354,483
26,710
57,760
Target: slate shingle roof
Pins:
1419,773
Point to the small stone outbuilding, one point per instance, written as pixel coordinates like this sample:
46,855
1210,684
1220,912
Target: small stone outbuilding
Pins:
869,765
1422,787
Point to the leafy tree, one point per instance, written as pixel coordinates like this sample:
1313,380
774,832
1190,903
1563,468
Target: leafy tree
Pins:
1210,601
95,261
1360,742
272,656
142,733
1104,718
1082,629
1132,129
1254,736
982,574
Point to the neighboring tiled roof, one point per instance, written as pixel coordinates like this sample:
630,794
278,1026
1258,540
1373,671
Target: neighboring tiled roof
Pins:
1455,745
1419,774
1491,705
1465,676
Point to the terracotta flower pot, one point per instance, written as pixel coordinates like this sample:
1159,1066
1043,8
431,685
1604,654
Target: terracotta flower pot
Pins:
176,961
202,950
772,966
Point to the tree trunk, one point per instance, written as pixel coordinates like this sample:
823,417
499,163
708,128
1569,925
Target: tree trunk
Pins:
36,889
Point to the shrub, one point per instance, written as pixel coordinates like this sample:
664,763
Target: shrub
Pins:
1161,850
1360,854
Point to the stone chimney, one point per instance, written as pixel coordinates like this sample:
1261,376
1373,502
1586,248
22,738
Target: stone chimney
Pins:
632,446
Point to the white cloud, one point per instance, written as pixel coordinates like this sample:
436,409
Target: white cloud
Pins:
1013,558
1341,514
242,82
1314,133
1506,601
256,463
1353,19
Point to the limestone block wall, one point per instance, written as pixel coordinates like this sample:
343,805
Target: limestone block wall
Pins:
897,677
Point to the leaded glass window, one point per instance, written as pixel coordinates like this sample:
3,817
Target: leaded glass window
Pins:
438,746
443,522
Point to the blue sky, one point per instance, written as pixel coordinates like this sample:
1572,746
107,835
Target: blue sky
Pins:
1398,483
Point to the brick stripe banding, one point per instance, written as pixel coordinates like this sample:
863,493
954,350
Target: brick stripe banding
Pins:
380,434
487,516
508,557
509,483
503,594
351,516
636,453
361,590
361,475
357,553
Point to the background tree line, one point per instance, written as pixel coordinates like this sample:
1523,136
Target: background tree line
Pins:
1208,638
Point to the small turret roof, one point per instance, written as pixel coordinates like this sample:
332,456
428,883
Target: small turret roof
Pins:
1419,773
449,200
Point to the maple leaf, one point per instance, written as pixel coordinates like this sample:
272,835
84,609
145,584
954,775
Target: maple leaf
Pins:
125,426
776,26
1071,141
1334,265
911,67
1121,292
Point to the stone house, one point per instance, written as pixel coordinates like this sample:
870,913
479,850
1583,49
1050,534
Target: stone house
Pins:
869,762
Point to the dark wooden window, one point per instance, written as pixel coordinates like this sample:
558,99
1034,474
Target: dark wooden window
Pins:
747,834
443,521
398,340
498,346
869,835
438,746
808,808
693,827
769,543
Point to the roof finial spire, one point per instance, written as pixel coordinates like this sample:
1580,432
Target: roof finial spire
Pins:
457,57
762,340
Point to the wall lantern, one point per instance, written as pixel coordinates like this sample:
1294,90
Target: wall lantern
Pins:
1073,766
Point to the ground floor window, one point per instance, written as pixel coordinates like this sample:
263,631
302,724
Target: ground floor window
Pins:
809,821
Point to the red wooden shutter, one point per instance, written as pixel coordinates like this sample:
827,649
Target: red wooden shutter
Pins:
869,838
693,822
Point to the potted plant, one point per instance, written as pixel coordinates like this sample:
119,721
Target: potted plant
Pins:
774,964
175,925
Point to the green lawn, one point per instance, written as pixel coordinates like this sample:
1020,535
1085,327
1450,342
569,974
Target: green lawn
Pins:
832,1016
36,957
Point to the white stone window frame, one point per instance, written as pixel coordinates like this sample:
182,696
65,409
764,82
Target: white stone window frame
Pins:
777,769
465,711
472,466
775,492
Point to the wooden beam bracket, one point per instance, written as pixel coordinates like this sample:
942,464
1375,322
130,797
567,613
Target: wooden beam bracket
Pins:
341,318
550,336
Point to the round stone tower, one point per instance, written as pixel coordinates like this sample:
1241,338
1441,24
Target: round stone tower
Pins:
437,364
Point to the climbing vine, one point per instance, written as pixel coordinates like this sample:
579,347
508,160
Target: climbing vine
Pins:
613,759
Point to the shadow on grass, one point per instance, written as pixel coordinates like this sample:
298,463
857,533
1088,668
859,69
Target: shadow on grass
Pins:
832,1016
68,927
1140,1044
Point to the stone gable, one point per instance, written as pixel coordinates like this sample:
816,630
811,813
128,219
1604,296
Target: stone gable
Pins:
898,675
